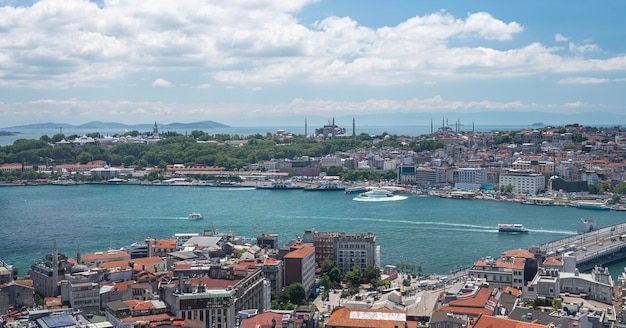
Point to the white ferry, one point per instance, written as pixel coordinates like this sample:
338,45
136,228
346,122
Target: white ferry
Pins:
512,228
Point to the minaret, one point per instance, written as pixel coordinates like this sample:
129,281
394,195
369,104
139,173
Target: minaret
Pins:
55,268
473,127
305,128
333,128
155,130
431,126
78,254
353,127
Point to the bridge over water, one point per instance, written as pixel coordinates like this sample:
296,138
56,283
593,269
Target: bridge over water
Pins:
597,247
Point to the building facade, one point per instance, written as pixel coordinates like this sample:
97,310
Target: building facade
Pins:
300,267
523,181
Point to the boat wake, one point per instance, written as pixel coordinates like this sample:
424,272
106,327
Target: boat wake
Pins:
556,232
380,199
236,188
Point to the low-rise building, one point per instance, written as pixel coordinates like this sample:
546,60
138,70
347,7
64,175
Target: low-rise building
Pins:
502,272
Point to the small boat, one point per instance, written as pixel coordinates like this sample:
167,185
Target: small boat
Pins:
512,228
194,216
376,193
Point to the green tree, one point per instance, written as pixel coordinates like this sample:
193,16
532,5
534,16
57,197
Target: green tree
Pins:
371,272
38,298
57,137
353,276
297,294
616,198
621,188
325,281
330,269
84,157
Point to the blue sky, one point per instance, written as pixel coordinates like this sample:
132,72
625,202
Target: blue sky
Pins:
255,62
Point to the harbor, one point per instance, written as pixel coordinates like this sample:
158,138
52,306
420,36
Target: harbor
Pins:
118,215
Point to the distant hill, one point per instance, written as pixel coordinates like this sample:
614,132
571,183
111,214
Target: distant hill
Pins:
96,125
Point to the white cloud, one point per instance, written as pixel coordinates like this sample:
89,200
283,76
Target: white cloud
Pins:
161,83
560,38
584,80
576,104
76,43
583,48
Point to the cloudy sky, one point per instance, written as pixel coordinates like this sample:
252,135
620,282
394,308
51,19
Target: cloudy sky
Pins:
255,62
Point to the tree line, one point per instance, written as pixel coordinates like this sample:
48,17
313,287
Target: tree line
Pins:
196,148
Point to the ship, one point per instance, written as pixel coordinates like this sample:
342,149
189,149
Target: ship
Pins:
326,186
512,228
279,185
592,206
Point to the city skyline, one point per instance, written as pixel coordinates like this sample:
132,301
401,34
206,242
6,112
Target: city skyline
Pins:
268,63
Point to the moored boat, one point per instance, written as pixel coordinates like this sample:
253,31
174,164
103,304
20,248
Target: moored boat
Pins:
279,185
356,190
592,206
512,228
326,186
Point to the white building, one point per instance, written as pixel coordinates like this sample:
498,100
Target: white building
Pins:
471,178
523,182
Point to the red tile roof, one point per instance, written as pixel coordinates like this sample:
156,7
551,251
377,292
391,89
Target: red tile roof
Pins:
516,263
521,253
108,255
345,317
263,320
299,252
481,303
166,244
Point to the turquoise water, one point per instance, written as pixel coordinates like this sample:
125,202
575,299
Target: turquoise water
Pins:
439,234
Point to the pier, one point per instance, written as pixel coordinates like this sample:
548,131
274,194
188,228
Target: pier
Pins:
597,247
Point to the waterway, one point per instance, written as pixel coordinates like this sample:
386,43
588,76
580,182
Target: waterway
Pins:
441,235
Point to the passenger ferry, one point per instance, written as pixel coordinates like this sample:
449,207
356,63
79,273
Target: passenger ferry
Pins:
512,228
592,206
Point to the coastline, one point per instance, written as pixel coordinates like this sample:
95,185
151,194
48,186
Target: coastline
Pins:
300,186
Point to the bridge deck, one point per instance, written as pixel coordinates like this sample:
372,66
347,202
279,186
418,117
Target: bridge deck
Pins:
597,247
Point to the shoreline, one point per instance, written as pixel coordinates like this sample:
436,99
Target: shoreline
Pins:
450,194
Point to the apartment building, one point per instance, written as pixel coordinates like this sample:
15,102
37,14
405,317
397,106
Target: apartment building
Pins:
523,181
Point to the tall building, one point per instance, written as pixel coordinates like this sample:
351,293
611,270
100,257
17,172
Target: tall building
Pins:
216,300
355,250
300,266
347,250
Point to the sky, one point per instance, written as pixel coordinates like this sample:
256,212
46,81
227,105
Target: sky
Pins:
257,63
